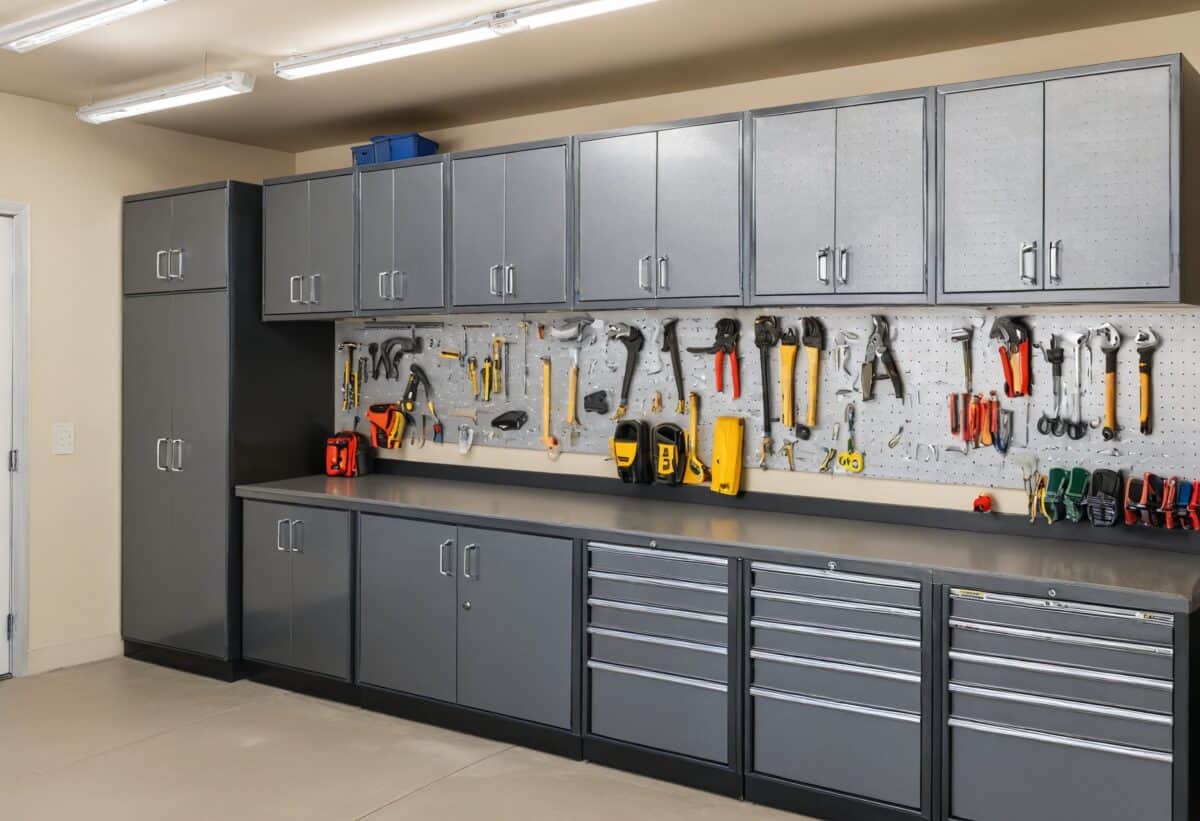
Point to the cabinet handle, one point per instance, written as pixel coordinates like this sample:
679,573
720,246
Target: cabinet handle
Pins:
663,270
643,271
494,281
314,293
179,271
158,454
296,545
823,265
1053,249
403,283
667,677
296,290
383,276
158,272
175,465
843,265
510,280
845,707
1028,251
279,535
1064,741
445,550
467,561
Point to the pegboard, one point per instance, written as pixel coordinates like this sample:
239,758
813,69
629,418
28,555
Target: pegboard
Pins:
894,435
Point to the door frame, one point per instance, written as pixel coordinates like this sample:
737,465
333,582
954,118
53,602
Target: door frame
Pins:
19,537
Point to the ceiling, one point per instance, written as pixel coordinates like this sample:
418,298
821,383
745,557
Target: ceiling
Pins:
668,46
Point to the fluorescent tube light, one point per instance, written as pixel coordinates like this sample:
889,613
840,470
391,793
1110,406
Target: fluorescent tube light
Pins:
486,27
212,87
68,21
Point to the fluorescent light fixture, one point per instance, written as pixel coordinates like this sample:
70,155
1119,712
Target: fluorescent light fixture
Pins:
212,87
477,29
68,21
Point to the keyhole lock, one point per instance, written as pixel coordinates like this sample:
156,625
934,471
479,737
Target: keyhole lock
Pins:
466,605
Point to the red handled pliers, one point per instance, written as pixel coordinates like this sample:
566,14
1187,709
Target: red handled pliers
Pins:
728,331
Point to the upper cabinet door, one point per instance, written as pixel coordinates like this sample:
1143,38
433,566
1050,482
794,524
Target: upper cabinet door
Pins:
477,263
881,192
535,226
329,287
1108,181
617,182
285,247
146,230
420,238
377,241
992,179
794,173
198,258
699,211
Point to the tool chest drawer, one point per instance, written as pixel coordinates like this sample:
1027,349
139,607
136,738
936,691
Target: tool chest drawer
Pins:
664,655
669,593
842,615
862,751
868,649
869,686
1062,617
662,564
672,713
706,628
822,582
999,774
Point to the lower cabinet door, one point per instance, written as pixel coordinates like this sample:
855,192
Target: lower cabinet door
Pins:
515,625
407,606
266,583
320,543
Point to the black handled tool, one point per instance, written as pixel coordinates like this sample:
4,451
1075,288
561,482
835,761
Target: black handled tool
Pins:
670,344
632,339
766,336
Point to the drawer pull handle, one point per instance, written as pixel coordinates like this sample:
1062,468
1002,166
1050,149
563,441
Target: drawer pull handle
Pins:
874,712
1065,741
1054,669
712,618
653,582
715,649
661,554
823,573
1062,704
837,603
632,671
870,638
891,675
1064,606
1062,638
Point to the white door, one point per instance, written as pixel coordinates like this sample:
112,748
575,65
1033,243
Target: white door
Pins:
7,275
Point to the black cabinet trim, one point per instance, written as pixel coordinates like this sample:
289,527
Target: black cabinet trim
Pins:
784,795
208,666
677,769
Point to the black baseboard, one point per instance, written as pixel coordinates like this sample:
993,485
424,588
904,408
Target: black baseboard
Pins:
690,772
474,722
816,803
309,684
209,666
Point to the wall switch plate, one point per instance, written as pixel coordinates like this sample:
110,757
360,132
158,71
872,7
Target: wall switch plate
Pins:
64,438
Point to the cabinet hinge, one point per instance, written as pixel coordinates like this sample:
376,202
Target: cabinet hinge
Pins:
12,461
10,625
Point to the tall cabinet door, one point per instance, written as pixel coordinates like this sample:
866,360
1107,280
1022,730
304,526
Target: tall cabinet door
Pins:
331,244
992,146
794,173
535,225
618,180
1108,181
377,240
699,211
146,231
514,651
478,230
420,246
145,494
199,477
881,192
266,582
320,544
407,606
199,252
285,246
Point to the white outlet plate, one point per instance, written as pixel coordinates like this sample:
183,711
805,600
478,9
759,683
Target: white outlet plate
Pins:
64,438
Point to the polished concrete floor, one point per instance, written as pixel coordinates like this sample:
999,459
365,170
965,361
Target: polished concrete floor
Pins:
124,740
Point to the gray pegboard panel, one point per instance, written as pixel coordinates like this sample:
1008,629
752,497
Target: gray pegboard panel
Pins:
931,366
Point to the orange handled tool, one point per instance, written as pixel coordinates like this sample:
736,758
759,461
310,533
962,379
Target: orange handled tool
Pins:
1147,342
1110,346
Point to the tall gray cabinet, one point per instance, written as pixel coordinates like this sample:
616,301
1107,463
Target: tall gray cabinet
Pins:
202,387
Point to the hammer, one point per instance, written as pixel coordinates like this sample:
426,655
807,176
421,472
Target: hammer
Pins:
574,329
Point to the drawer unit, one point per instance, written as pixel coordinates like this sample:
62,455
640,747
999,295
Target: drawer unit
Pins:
1062,617
841,615
681,658
658,621
669,593
661,564
841,682
834,584
867,649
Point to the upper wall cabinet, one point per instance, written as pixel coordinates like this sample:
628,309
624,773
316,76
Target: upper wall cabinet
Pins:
1062,187
401,236
308,246
659,215
841,201
176,243
509,235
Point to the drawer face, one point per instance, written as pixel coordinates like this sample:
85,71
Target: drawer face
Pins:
1062,617
1073,684
1057,782
832,584
838,682
665,715
838,645
1149,731
705,628
662,564
704,661
1150,660
853,616
810,742
677,595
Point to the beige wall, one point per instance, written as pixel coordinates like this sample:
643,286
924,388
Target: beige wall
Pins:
73,176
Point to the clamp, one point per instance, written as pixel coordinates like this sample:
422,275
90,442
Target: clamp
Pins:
879,353
726,344
1013,335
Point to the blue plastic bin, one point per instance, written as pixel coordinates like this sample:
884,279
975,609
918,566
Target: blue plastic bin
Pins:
391,147
364,154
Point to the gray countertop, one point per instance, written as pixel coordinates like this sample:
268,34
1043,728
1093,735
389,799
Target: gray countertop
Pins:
1172,575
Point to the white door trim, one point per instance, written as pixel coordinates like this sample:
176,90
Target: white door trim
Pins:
20,398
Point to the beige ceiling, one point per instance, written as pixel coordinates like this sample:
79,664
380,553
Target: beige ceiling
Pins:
668,46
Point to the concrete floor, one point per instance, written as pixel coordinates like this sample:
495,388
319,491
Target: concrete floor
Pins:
124,740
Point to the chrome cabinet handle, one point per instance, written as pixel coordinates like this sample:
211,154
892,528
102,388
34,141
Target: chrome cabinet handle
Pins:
179,271
494,281
845,707
823,265
650,674
643,272
158,454
279,535
1063,741
296,290
403,282
314,294
1053,248
663,270
843,265
445,551
294,544
1028,251
175,456
383,278
467,550
158,272
510,280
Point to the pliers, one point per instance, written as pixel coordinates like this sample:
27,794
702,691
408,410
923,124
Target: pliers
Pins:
1013,335
418,379
726,344
879,353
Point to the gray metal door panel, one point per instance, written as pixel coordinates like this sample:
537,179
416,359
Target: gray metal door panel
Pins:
266,583
1065,617
794,173
658,621
992,182
331,244
146,493
146,236
679,658
420,248
617,180
200,240
836,681
535,225
407,606
838,645
199,478
1108,180
699,211
285,245
514,625
321,567
377,240
881,184
478,230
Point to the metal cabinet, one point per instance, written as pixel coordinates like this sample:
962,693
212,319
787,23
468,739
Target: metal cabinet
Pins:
841,201
176,243
659,215
296,587
509,237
